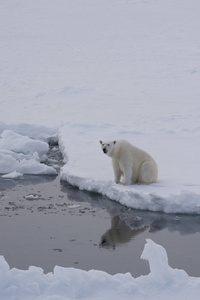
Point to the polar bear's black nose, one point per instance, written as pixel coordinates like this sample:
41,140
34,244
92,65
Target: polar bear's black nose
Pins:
104,150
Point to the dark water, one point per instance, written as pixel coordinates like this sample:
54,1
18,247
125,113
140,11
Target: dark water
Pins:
45,222
71,228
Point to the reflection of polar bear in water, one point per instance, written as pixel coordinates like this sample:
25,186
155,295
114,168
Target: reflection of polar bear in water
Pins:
134,164
119,233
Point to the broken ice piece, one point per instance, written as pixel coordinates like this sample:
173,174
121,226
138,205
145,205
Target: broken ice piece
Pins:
73,206
32,197
13,175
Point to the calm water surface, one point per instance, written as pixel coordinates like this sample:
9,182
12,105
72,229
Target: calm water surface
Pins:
44,222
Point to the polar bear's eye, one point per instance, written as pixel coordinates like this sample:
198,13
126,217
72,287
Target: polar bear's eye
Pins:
108,145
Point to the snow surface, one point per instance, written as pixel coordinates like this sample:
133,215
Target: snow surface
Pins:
81,71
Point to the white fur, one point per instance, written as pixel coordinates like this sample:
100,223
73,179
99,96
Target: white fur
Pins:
134,164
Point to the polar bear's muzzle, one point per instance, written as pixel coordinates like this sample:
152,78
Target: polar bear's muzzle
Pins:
104,150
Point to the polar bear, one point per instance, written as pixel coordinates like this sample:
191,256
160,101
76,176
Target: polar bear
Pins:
134,164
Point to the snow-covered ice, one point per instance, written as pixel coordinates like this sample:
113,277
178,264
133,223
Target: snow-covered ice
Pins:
73,206
81,71
178,188
23,155
136,76
13,175
32,197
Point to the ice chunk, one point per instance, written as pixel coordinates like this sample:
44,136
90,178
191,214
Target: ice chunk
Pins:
73,206
22,144
32,197
22,154
13,175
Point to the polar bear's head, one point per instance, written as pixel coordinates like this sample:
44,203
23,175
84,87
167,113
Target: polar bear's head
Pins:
107,146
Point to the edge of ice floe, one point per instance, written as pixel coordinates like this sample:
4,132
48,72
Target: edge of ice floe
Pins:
181,202
167,196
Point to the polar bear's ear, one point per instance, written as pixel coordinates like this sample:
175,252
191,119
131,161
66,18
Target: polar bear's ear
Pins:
114,142
101,142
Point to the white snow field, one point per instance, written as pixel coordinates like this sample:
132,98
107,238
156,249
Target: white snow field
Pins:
83,71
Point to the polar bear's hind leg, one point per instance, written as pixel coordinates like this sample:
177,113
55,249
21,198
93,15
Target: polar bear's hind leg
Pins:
148,172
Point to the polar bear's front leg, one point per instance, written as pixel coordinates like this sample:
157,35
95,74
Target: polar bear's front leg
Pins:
127,175
117,170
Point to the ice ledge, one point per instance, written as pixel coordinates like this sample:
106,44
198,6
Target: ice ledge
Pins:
136,196
89,169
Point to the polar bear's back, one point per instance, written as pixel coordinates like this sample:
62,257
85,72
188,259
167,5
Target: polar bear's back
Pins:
123,147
